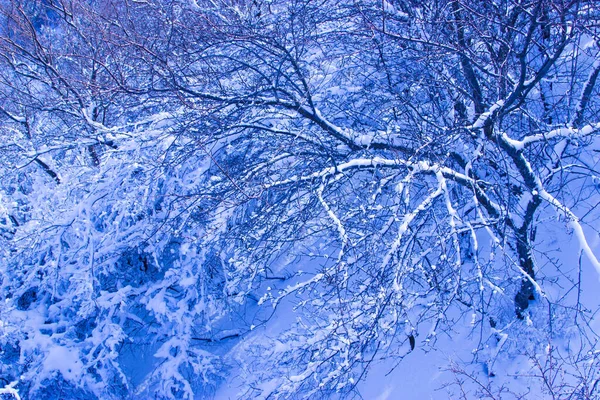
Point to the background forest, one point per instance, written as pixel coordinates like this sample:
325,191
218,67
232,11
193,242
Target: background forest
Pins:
276,197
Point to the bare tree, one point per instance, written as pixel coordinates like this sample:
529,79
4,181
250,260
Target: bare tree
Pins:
177,175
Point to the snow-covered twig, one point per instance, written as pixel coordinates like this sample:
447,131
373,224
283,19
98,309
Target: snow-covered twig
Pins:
10,389
340,227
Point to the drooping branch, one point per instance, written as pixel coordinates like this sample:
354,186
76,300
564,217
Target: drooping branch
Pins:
47,169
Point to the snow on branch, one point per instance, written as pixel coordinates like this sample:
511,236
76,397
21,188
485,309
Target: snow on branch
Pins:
575,224
340,227
406,221
484,117
566,132
9,389
416,167
291,289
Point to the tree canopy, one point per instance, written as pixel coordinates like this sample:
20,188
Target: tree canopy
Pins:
294,190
